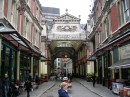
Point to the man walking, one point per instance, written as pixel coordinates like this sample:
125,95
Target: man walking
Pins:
28,87
94,80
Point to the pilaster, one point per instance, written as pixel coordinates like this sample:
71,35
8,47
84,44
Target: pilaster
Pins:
18,64
32,66
39,74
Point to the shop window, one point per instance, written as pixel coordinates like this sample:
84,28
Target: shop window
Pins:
24,66
35,66
115,54
125,72
7,56
120,13
116,73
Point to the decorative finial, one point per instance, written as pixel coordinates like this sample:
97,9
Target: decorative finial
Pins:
79,16
66,10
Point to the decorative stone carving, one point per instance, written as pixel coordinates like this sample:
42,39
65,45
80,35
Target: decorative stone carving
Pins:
67,28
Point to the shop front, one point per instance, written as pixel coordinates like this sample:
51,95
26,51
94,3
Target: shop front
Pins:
8,60
121,68
25,66
35,66
11,43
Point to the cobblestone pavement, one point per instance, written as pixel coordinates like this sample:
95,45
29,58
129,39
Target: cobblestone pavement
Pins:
98,89
41,89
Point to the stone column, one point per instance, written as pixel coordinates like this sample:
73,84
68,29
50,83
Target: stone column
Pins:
113,75
102,66
32,66
39,74
120,73
18,64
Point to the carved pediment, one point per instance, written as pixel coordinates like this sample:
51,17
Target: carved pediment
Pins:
67,17
66,28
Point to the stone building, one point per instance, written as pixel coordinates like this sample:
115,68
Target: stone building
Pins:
20,38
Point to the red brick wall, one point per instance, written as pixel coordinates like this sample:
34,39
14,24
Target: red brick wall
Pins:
5,7
114,18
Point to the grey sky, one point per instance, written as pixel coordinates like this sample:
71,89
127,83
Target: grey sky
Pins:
75,7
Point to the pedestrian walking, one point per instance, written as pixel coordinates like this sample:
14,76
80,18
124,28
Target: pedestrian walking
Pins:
28,87
5,85
0,87
30,77
37,80
63,90
94,80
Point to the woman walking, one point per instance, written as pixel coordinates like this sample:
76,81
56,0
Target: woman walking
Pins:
63,90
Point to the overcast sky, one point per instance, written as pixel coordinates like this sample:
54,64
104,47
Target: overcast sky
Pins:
75,7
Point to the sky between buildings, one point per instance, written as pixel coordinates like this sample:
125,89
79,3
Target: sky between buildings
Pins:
75,7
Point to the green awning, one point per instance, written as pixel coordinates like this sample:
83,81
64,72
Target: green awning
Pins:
92,58
43,59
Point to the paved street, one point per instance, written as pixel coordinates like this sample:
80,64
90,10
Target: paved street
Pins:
38,92
98,89
81,88
77,90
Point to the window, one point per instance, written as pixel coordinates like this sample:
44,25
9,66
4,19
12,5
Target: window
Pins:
120,13
37,13
27,30
115,55
107,27
35,37
126,10
103,31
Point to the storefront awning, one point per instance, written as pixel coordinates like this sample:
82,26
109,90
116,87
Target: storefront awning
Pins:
43,59
92,58
12,36
124,63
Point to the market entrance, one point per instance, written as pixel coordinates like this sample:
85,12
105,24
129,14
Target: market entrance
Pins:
64,40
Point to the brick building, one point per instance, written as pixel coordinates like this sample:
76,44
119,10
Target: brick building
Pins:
110,36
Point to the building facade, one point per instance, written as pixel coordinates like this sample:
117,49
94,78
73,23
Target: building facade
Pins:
110,37
50,13
20,38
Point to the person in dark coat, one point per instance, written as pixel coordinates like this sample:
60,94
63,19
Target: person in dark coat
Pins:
28,87
37,80
5,85
30,78
63,90
0,88
94,80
